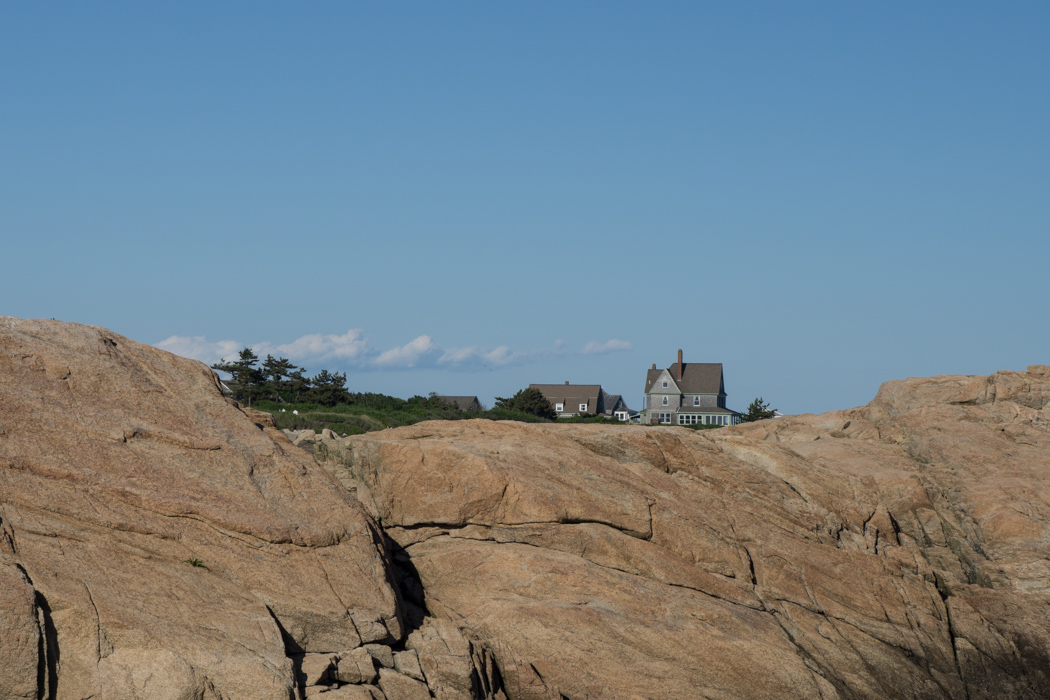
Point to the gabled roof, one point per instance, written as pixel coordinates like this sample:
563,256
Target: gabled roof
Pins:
614,402
653,376
697,378
571,395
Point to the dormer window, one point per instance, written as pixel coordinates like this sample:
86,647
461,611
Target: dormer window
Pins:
559,407
696,400
583,407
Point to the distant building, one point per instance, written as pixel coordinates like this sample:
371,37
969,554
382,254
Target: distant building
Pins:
687,394
570,400
463,403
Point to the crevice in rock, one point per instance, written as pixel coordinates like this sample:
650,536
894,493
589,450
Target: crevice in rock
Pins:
645,537
47,671
410,587
610,568
808,660
291,647
47,644
945,594
750,565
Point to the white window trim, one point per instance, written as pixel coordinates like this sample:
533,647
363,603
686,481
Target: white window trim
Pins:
559,407
583,407
696,400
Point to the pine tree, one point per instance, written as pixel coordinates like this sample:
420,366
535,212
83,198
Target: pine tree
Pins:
758,410
329,388
246,376
275,373
529,400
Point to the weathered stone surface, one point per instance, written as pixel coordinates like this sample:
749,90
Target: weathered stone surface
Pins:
121,463
356,666
355,692
159,541
407,662
398,687
19,634
381,653
313,669
893,550
453,667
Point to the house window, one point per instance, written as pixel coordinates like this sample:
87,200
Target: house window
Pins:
583,407
665,401
665,417
559,407
696,400
665,385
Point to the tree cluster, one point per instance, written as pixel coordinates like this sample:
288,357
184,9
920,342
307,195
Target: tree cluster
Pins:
277,379
528,401
758,410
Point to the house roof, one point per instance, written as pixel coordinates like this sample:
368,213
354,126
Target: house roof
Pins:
463,403
706,410
697,377
610,403
571,395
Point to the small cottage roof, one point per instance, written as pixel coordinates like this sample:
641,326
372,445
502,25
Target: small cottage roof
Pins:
571,395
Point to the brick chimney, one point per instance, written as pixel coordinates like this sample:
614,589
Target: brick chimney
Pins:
679,364
654,365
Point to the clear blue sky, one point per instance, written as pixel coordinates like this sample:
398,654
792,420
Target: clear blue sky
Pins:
460,197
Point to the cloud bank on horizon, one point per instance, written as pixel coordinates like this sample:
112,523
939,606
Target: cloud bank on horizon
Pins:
352,349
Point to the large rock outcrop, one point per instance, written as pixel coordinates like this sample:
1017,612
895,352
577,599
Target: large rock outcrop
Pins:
158,541
895,550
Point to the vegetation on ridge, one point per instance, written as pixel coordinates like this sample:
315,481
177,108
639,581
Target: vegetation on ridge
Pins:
299,402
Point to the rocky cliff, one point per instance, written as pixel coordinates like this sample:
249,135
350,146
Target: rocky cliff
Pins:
158,541
894,550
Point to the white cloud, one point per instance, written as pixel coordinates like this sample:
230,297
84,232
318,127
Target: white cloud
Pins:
351,350
319,348
198,348
408,355
594,347
494,357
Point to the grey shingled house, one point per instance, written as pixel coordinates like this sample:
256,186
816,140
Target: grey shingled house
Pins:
687,393
584,399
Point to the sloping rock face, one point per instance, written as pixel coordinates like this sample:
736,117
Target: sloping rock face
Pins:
895,550
158,541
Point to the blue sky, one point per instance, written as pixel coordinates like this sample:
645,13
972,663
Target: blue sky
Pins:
468,197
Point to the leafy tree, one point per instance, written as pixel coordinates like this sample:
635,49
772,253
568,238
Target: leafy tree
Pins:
758,410
529,401
247,378
329,388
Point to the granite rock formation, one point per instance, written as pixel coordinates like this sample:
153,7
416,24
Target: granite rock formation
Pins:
895,550
159,541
